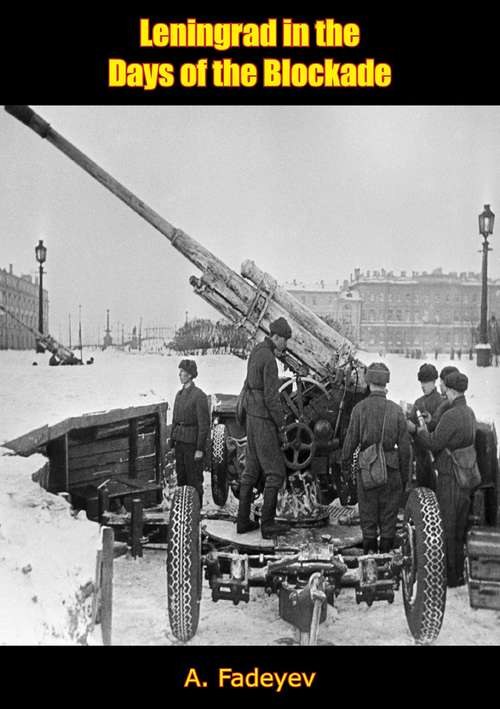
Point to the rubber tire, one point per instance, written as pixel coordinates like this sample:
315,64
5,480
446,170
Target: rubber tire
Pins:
425,614
218,465
184,578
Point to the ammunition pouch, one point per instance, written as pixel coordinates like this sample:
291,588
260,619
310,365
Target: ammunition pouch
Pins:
465,467
373,467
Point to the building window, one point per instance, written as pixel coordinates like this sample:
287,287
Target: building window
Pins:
389,315
398,314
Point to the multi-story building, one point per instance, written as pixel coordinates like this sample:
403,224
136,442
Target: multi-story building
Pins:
21,296
403,313
422,311
335,303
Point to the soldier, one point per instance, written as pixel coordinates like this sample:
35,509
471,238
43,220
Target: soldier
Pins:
433,419
455,429
264,424
190,426
426,404
378,508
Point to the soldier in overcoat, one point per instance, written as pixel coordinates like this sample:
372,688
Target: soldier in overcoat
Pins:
455,429
264,429
378,508
426,405
190,427
432,421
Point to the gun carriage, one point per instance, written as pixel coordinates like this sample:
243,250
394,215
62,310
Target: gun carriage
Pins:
308,567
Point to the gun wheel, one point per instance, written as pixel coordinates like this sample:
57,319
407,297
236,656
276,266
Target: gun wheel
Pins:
424,573
184,579
218,465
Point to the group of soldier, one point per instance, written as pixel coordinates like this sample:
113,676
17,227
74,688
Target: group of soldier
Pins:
422,442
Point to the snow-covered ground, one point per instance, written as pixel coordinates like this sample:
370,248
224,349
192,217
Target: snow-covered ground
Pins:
33,396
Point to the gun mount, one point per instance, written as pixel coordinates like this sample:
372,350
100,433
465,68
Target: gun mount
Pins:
63,354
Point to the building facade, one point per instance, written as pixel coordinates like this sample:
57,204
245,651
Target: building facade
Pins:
20,294
335,303
405,313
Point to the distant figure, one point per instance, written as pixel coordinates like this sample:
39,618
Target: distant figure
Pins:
53,361
436,352
459,353
471,352
90,361
452,353
494,338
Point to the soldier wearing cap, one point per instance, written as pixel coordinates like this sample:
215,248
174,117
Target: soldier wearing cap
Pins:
378,508
426,405
264,423
190,427
432,421
455,429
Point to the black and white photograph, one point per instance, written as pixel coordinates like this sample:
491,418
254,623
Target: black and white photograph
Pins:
249,373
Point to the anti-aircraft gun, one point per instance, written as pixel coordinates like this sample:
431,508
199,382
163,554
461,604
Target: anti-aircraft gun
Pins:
62,353
309,566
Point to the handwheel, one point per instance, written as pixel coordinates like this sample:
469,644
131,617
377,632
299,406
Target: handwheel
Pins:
299,446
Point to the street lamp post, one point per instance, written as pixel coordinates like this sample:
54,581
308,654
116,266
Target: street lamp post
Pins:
41,256
483,349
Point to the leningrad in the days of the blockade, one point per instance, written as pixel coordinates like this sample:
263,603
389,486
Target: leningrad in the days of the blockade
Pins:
298,451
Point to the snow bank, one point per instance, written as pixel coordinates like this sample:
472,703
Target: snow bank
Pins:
47,561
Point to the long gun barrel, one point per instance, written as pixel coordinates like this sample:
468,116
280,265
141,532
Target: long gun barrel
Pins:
251,304
47,341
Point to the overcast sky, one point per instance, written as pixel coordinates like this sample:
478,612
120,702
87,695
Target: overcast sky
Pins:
306,192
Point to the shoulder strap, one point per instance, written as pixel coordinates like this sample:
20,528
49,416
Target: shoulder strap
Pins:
383,424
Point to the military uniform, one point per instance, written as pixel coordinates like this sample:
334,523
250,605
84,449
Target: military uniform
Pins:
190,427
378,508
264,419
436,416
455,429
430,403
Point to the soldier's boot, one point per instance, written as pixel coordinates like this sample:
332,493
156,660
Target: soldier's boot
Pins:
386,544
370,546
243,522
268,526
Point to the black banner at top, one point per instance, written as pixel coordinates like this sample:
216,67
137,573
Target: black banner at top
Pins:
171,55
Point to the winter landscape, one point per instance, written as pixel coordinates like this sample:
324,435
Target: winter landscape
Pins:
39,576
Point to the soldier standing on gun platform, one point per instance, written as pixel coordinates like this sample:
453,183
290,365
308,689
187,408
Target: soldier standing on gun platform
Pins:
455,429
190,427
378,508
264,424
